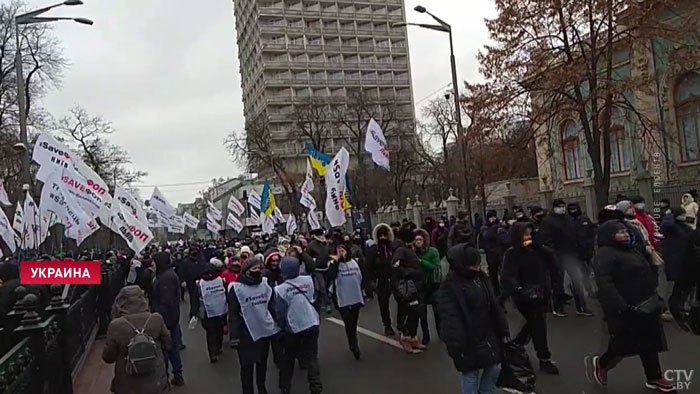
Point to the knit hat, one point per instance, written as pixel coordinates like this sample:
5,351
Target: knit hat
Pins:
216,262
624,205
491,214
246,249
250,263
271,254
289,267
557,202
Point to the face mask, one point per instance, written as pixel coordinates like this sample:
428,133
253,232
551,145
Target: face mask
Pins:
629,214
442,224
680,218
640,206
255,274
527,243
519,215
510,222
559,210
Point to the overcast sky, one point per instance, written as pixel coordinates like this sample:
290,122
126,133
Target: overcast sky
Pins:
165,73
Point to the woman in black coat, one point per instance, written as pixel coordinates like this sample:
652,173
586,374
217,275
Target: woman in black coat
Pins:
407,282
526,277
473,325
627,284
689,278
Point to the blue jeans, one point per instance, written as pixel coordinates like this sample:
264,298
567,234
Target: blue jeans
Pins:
173,355
481,381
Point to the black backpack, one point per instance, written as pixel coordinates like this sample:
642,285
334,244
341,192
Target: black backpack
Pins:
141,352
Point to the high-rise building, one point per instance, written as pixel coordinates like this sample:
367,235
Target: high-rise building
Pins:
293,52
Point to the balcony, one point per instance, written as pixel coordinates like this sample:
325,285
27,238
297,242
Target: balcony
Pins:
269,46
281,117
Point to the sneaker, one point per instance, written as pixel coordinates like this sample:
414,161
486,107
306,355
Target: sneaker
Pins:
560,313
406,343
548,367
662,385
584,313
178,381
328,309
667,317
598,374
389,332
417,345
426,340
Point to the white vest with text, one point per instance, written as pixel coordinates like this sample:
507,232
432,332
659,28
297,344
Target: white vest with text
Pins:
213,297
348,284
255,301
298,294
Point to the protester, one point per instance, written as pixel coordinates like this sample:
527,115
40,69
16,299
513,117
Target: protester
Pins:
627,292
319,251
558,232
430,263
526,277
646,220
429,225
438,238
166,301
689,278
131,316
379,262
347,278
407,281
691,209
192,265
271,270
676,247
212,308
252,323
461,231
473,324
585,230
493,239
231,270
299,321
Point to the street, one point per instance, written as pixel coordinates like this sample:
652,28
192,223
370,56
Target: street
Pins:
387,369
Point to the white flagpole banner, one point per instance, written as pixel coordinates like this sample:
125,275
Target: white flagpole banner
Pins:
215,212
136,234
308,185
254,199
162,208
50,155
190,221
268,224
375,144
98,186
279,217
234,223
130,204
291,224
54,198
212,218
235,206
313,220
18,220
213,226
78,187
4,200
255,218
308,201
335,186
30,228
6,232
177,225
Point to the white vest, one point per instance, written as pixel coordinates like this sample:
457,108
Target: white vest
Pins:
254,301
348,284
213,297
301,315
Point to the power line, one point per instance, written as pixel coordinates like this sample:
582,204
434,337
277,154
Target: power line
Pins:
433,93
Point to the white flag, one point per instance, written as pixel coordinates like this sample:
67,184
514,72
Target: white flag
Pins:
48,219
313,220
177,225
18,220
82,191
50,155
4,200
6,232
291,224
279,217
215,212
136,234
31,230
308,185
190,221
254,199
255,218
213,226
98,186
335,187
212,218
162,208
268,224
308,201
375,144
235,206
234,223
130,205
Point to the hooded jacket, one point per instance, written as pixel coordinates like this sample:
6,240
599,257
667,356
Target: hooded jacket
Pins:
131,304
379,255
676,244
472,322
559,233
649,225
584,230
406,265
691,209
166,291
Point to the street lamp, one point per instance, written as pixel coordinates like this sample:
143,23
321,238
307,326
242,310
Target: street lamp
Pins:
30,18
445,27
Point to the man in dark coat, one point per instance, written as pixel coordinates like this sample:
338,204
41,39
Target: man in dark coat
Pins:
558,233
627,285
675,246
493,239
688,280
438,238
461,232
585,236
473,326
166,301
192,268
378,261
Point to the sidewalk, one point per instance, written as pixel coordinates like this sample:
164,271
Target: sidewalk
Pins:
95,376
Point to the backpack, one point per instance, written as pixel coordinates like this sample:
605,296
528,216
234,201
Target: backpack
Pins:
141,352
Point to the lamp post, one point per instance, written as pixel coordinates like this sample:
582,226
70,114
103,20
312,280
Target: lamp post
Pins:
30,18
445,27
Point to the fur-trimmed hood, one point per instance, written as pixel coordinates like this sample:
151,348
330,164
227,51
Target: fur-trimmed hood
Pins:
382,227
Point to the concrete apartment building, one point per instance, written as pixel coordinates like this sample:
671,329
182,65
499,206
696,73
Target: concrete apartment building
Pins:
292,51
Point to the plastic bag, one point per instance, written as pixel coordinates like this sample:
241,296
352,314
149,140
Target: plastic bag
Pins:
193,323
517,373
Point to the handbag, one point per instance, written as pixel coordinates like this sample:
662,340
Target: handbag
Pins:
649,307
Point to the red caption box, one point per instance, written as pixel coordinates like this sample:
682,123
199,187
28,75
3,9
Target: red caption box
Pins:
60,272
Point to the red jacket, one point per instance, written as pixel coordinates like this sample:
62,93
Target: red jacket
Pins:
229,277
650,225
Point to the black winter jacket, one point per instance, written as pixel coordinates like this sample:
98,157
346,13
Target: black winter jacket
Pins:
166,291
675,246
558,232
472,323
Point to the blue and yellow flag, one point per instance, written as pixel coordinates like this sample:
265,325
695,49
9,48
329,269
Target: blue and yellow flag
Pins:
347,195
267,200
319,161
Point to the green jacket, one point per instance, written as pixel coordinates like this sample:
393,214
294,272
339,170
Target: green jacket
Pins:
430,260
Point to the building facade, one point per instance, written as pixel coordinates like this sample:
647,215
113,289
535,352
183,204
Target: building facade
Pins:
295,51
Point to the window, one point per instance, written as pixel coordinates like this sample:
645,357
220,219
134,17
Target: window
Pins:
571,148
688,115
620,144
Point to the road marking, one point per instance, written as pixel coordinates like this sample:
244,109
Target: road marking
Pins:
371,334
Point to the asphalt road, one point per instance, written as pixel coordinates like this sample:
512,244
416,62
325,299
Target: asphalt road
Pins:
386,369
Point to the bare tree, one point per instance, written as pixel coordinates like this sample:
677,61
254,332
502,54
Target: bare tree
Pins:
314,122
89,134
